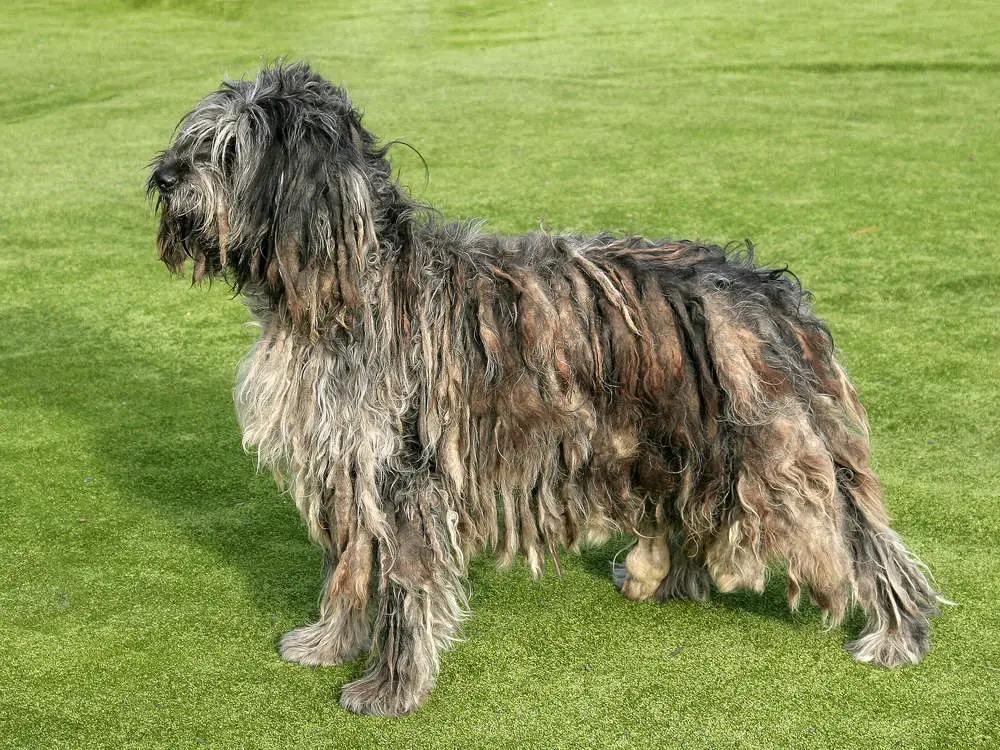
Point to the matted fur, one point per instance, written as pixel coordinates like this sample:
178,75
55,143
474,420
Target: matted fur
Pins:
429,391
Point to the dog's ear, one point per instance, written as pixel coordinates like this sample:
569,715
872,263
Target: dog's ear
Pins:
308,209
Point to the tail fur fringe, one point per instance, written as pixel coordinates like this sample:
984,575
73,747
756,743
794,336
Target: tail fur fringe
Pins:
891,584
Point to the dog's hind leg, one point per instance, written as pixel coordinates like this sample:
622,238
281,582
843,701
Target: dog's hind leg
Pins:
414,625
339,636
645,566
688,576
658,568
786,510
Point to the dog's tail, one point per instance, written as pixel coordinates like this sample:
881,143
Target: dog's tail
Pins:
890,582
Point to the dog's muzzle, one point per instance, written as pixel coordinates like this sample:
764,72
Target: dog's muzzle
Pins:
166,178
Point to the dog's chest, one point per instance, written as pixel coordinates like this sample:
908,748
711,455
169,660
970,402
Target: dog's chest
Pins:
310,407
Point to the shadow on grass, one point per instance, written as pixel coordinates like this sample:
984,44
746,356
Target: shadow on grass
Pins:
162,434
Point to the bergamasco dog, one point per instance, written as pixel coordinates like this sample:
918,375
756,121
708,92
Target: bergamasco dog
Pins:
429,391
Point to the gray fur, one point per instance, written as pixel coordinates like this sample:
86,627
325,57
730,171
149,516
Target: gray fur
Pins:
428,391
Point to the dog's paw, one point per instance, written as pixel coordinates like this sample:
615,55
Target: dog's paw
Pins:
318,645
376,694
636,589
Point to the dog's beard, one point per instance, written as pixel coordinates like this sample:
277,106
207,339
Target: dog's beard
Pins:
185,235
190,228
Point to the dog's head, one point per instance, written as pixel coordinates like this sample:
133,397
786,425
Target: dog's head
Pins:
269,184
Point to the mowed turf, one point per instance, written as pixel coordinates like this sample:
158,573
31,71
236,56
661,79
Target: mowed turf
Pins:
146,572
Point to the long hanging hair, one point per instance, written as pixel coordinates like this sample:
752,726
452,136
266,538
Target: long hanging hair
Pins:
430,390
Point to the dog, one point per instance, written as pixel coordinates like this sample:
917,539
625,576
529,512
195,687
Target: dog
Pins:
428,391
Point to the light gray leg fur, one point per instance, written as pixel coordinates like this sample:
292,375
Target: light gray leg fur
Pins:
339,636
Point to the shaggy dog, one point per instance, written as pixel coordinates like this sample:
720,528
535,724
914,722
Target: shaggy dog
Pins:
429,391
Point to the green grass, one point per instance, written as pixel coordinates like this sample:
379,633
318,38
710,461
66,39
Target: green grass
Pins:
146,573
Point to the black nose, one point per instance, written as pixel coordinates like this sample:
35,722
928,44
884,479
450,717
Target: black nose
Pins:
166,177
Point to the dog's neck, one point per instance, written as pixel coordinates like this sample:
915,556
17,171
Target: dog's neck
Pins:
338,325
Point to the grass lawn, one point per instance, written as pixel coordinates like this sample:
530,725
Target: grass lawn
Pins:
146,572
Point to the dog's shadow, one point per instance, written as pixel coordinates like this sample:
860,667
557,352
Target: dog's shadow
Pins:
157,440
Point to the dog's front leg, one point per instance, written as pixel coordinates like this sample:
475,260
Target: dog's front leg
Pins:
341,633
420,603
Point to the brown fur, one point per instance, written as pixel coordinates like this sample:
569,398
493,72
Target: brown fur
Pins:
430,391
